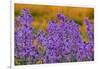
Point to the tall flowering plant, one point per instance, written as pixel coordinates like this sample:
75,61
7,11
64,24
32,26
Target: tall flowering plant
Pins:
62,42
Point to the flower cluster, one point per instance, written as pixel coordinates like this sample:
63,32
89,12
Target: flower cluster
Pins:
62,42
24,36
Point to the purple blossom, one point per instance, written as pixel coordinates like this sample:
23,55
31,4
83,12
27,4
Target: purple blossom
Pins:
61,43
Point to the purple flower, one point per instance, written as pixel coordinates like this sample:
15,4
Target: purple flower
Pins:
61,17
25,17
61,43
